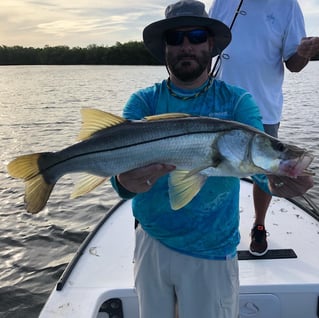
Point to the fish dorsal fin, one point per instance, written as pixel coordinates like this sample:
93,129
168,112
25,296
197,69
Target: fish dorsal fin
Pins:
166,116
94,120
183,187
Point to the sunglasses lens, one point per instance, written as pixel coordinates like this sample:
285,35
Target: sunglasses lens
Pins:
197,36
194,36
174,37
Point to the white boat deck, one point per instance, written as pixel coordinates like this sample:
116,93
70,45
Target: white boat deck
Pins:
269,288
289,228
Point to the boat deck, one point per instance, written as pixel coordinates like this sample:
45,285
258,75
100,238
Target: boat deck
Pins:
282,287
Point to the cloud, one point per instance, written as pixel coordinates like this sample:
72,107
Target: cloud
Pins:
83,22
37,23
310,9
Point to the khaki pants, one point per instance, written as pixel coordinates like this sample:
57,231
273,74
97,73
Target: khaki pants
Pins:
200,287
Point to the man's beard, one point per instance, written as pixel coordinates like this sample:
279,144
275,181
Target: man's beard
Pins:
188,71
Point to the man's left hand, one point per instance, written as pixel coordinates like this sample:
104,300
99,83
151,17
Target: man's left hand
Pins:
308,47
289,187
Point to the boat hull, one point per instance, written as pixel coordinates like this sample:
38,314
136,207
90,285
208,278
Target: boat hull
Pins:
284,283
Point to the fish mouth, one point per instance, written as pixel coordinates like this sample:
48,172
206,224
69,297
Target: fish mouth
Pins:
297,167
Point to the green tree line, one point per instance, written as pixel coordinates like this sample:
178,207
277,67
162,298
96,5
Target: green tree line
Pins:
130,53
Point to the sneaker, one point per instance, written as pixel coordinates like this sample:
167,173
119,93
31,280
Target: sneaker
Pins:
258,245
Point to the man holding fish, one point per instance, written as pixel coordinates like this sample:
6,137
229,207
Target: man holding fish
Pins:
182,171
189,256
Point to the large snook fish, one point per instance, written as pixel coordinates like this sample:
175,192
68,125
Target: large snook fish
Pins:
198,146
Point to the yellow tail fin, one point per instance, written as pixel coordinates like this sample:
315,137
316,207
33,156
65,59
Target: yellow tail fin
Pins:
37,190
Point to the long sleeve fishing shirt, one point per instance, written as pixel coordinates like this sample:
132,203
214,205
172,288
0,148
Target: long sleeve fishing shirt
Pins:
207,227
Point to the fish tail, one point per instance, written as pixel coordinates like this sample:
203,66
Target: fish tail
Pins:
37,190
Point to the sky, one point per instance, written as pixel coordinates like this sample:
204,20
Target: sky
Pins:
79,23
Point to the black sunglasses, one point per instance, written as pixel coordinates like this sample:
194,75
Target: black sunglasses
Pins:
195,36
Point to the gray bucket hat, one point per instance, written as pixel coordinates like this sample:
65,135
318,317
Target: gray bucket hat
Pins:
183,14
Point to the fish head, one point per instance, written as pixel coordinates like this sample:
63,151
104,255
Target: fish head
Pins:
276,157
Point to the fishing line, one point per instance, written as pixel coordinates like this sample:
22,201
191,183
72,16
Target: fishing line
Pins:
217,63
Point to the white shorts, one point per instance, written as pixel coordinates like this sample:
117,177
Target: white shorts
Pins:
200,287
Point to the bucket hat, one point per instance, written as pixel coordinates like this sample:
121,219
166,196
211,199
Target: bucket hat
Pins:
185,13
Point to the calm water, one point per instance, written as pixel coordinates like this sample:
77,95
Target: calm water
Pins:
40,112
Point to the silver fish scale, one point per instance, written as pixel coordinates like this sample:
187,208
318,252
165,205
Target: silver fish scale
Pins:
189,143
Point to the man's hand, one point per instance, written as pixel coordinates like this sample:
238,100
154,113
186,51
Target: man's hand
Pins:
142,179
289,187
308,47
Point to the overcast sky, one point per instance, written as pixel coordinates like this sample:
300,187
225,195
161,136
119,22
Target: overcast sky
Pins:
37,23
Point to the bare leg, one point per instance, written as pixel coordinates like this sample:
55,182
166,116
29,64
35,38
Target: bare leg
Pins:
261,204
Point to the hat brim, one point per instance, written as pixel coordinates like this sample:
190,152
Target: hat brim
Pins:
153,34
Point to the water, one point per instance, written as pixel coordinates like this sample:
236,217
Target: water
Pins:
40,112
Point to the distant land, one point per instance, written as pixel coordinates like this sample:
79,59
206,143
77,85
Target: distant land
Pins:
130,53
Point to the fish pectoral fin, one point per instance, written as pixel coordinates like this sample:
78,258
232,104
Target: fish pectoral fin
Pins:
167,116
183,187
94,120
86,183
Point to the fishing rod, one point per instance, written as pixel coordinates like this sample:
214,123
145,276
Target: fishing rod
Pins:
214,72
313,205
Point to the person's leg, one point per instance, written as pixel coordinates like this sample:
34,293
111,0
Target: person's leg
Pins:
259,245
156,295
206,288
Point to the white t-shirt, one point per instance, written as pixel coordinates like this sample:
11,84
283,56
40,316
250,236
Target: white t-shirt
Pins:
265,33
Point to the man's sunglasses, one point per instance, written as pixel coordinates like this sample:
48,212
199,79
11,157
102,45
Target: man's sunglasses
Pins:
195,36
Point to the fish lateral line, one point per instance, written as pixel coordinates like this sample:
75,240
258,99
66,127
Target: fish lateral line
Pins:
41,156
52,154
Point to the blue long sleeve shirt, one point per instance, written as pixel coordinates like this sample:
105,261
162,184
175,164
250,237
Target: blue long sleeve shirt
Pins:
208,226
